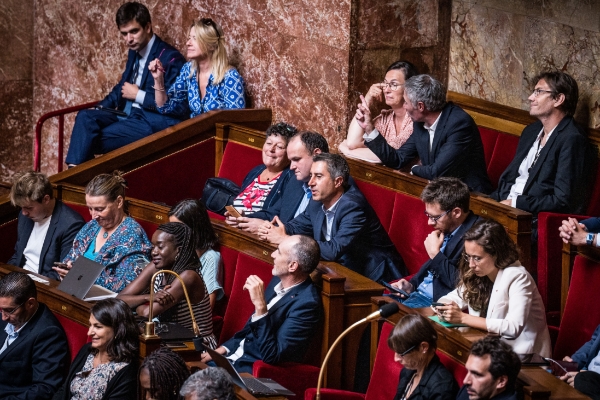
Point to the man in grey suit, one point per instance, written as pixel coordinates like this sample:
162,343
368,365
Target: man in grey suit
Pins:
46,227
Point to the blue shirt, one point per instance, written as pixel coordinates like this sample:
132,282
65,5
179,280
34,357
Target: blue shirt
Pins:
227,94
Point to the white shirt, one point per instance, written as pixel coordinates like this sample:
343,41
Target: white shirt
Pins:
143,54
280,291
34,246
329,215
431,129
517,188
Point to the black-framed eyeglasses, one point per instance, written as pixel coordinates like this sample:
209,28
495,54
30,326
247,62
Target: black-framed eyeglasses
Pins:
11,312
407,351
392,85
537,92
210,22
436,218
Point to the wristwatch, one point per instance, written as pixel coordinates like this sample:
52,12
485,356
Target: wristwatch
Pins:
589,239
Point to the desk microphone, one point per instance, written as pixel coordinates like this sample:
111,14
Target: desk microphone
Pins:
386,311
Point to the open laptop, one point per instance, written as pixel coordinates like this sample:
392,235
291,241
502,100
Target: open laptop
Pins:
79,282
256,386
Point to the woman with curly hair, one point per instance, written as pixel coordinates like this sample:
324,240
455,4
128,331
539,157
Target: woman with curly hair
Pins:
500,295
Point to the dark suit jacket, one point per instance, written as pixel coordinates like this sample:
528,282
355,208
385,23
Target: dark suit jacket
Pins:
510,395
436,383
284,334
172,61
35,364
64,225
123,386
560,179
444,266
456,151
358,240
592,224
588,351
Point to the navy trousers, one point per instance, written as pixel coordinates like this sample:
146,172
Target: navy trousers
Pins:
98,132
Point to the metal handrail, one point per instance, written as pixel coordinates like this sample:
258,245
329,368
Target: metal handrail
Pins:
37,156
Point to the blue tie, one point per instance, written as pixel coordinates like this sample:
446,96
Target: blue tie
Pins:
136,68
445,242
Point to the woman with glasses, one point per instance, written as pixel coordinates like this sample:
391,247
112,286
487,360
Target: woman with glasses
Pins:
423,377
206,82
500,295
394,123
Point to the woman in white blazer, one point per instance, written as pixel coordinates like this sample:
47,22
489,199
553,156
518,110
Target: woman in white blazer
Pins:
500,295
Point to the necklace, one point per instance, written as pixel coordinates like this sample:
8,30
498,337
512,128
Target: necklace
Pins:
105,235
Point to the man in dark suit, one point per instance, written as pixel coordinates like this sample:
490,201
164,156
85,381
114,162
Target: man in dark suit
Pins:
492,370
101,131
444,138
447,210
553,167
587,379
46,227
296,195
286,314
34,355
341,220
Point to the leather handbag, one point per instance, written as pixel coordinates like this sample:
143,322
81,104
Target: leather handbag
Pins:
218,193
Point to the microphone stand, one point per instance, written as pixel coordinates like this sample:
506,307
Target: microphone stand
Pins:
149,331
385,311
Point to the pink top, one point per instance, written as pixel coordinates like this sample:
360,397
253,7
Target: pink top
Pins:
384,123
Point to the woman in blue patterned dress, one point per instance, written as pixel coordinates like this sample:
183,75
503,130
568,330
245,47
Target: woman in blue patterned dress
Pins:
111,238
207,82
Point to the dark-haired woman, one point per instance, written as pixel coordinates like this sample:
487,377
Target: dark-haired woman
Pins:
394,123
193,213
423,377
500,295
111,238
162,374
173,249
106,368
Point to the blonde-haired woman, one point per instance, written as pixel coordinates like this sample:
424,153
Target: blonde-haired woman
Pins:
206,82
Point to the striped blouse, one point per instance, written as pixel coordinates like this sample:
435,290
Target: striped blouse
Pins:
202,313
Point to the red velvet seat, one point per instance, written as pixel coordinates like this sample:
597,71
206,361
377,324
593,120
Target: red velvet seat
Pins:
457,369
238,160
8,237
384,378
381,199
293,376
240,307
504,152
581,315
76,334
81,209
178,176
409,229
488,138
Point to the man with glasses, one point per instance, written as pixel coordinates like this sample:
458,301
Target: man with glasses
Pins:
445,138
553,166
129,112
34,355
447,211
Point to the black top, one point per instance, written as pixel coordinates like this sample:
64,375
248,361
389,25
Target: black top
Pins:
437,383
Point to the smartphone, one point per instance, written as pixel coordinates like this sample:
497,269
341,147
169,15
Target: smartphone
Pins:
233,212
112,111
394,289
438,305
61,266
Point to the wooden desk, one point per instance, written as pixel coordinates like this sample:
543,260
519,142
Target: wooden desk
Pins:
536,383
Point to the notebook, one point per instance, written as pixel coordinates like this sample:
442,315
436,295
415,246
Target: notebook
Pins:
79,282
256,386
